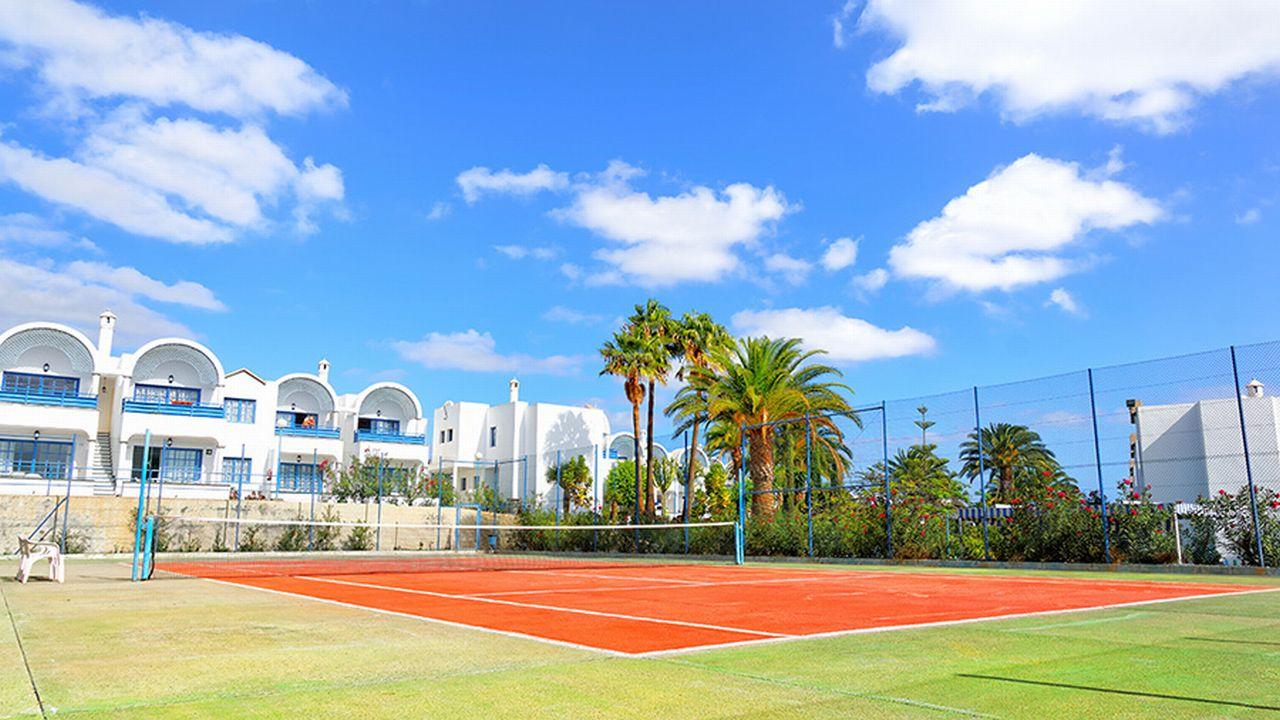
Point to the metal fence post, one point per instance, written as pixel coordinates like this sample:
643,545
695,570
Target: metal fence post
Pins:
315,481
982,474
1097,462
66,509
808,476
888,497
439,497
240,473
377,535
741,550
1248,466
142,493
558,490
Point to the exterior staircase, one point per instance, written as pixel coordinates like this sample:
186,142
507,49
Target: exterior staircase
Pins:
102,469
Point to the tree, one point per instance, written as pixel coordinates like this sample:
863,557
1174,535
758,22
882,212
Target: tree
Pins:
696,338
652,321
574,479
629,357
620,488
1015,455
665,472
760,380
918,475
718,493
924,423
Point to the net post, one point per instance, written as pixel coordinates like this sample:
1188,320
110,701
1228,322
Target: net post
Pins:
808,476
982,473
1097,463
142,490
1248,466
888,495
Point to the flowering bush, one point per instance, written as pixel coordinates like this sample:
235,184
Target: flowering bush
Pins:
1225,521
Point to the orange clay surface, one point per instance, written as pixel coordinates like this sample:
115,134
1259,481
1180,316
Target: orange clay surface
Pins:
659,608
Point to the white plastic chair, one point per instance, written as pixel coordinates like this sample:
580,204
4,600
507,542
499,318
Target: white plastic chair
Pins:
33,552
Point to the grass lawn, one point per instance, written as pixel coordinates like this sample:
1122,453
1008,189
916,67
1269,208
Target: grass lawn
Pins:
101,647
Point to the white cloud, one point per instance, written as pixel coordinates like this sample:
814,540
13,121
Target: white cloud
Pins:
1249,217
840,254
1012,229
560,313
838,21
520,252
137,209
794,270
845,339
28,229
439,211
1135,62
701,227
39,291
131,281
479,181
1065,302
474,351
871,282
79,52
571,271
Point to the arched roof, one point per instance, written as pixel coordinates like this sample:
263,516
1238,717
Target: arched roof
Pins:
80,352
153,354
380,394
308,384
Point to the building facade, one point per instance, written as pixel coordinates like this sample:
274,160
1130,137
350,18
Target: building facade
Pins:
74,413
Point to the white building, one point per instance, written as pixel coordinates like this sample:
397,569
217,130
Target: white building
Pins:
1187,450
72,412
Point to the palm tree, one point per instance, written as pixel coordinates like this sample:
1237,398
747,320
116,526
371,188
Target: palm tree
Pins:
696,337
627,356
758,381
652,321
924,423
1013,453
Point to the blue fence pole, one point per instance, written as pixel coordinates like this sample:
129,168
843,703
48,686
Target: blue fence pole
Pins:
241,469
888,496
149,543
160,476
1097,462
982,473
1248,466
558,490
377,535
741,527
808,476
142,492
439,498
66,508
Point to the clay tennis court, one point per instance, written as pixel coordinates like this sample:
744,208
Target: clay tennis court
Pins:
643,608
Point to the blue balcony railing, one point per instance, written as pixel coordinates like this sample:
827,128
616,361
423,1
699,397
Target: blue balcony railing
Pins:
316,431
370,436
50,398
185,409
44,469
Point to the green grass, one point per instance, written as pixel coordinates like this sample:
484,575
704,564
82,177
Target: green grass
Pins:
101,647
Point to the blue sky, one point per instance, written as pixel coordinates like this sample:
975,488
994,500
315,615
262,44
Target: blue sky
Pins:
451,194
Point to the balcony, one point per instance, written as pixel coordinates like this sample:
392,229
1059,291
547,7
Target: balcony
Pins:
52,399
389,437
314,431
183,409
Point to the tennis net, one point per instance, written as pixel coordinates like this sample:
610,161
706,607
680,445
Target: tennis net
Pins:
229,548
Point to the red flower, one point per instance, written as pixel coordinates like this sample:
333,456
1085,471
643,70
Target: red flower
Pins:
1048,474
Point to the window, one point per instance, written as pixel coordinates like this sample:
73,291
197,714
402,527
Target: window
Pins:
441,436
290,418
380,426
298,477
28,384
179,465
450,434
236,470
46,459
493,436
166,394
241,411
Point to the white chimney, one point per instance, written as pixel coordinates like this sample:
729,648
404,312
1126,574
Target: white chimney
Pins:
322,371
106,332
1253,389
514,394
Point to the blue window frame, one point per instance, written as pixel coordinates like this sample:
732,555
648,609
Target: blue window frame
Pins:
237,470
177,465
379,426
31,384
241,411
298,477
166,394
43,458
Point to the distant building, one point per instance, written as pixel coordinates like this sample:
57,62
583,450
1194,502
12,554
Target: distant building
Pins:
1188,450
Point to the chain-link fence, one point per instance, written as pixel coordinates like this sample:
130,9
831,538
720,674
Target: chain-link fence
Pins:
1165,461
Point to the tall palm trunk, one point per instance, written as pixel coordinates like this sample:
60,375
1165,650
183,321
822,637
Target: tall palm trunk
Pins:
635,438
760,465
689,460
648,465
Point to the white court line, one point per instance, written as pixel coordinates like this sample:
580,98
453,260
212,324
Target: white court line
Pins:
423,618
691,583
554,608
603,576
942,623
